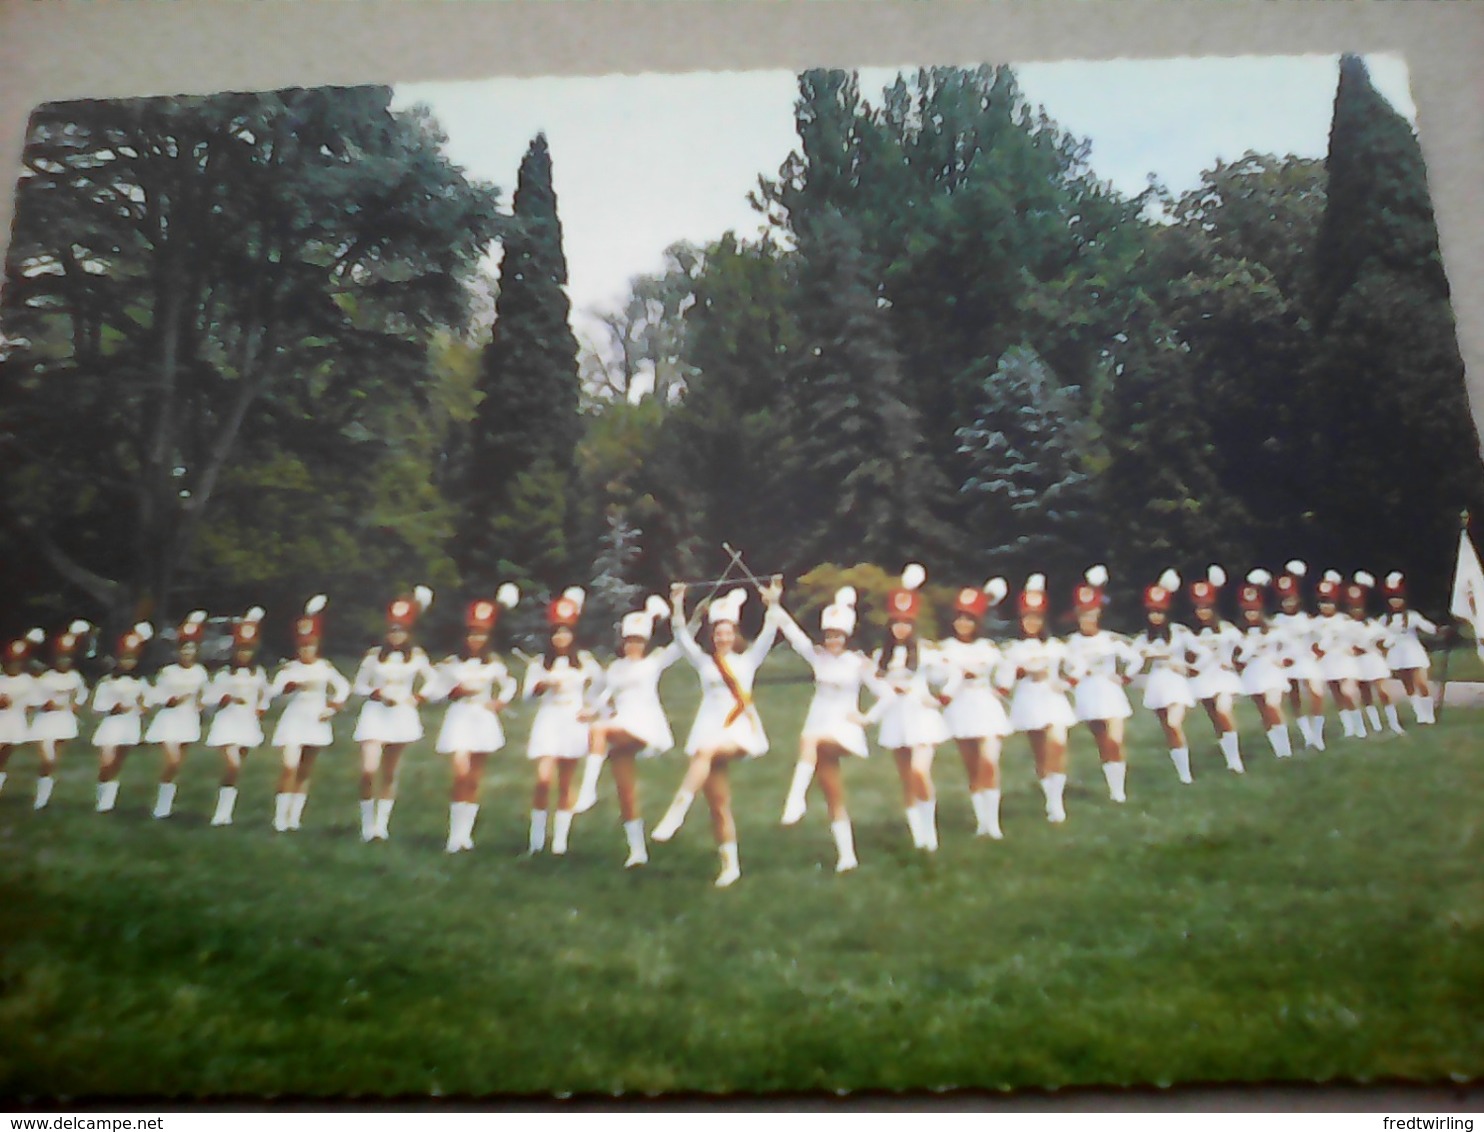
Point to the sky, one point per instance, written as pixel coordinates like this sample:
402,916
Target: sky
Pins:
642,161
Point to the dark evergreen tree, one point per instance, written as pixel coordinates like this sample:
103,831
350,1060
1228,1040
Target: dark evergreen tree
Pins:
529,412
1395,456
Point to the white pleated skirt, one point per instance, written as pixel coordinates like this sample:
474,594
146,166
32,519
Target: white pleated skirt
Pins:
13,726
976,713
57,725
1035,706
1262,677
117,730
557,732
469,727
180,724
908,722
1407,654
1372,666
1215,682
1165,688
1101,697
388,723
645,720
300,725
236,725
829,721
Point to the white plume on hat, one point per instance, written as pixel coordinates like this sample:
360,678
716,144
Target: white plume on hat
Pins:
196,617
1297,567
1259,577
253,614
1365,579
314,604
36,636
640,623
728,607
79,627
508,595
576,595
423,596
656,606
1394,578
996,589
839,616
1333,576
1096,575
144,630
913,575
1216,575
1169,580
1035,583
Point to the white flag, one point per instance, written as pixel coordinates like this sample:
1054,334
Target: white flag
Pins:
1468,590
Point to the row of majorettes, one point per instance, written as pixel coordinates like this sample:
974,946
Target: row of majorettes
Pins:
925,694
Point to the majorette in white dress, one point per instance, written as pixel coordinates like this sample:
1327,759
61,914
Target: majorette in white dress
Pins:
1296,636
472,685
572,686
392,718
834,712
247,692
181,723
1260,653
973,674
1335,640
1167,683
906,711
1039,700
57,698
1097,662
721,720
631,695
1213,671
1407,651
17,693
1371,638
317,687
127,692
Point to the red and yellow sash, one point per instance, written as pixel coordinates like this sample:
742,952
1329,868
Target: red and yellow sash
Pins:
744,701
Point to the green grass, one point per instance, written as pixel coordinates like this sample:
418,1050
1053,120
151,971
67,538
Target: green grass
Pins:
1317,919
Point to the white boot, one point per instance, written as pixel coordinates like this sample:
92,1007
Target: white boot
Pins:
1052,786
987,812
796,805
731,869
3,776
1229,748
165,800
914,826
1280,741
1316,728
384,818
296,809
282,805
1393,721
844,845
587,793
638,852
368,820
455,843
538,832
929,819
226,802
1373,717
1305,731
1114,773
108,793
674,817
43,791
1180,756
560,829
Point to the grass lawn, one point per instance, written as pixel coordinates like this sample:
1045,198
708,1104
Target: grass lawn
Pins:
1316,919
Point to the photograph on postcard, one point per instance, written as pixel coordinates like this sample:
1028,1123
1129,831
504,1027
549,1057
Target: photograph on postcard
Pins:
738,581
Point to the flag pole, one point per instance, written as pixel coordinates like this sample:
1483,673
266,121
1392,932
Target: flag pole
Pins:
1448,643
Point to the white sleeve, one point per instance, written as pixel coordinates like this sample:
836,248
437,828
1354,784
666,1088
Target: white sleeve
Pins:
440,682
757,651
685,638
535,673
337,687
798,639
508,688
104,696
362,685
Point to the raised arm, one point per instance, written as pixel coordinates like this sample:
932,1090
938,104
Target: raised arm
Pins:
683,636
798,639
758,650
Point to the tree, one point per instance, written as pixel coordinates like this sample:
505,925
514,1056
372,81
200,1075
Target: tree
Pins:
527,425
644,354
205,282
611,592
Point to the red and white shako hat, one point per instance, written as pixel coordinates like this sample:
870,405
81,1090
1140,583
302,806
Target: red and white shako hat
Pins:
1359,589
1290,582
131,641
904,602
247,633
566,608
1204,591
1253,593
192,629
482,613
1328,588
1162,593
1033,597
66,642
403,611
839,616
309,626
1395,584
640,623
22,647
728,607
976,603
1087,597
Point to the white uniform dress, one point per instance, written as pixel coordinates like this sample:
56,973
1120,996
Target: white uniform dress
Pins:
1373,640
1167,684
20,690
304,721
471,723
1334,636
973,673
393,718
1261,654
182,723
1039,700
711,728
908,713
125,691
1296,631
239,724
1097,661
1212,669
834,712
1407,651
66,692
632,691
570,688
